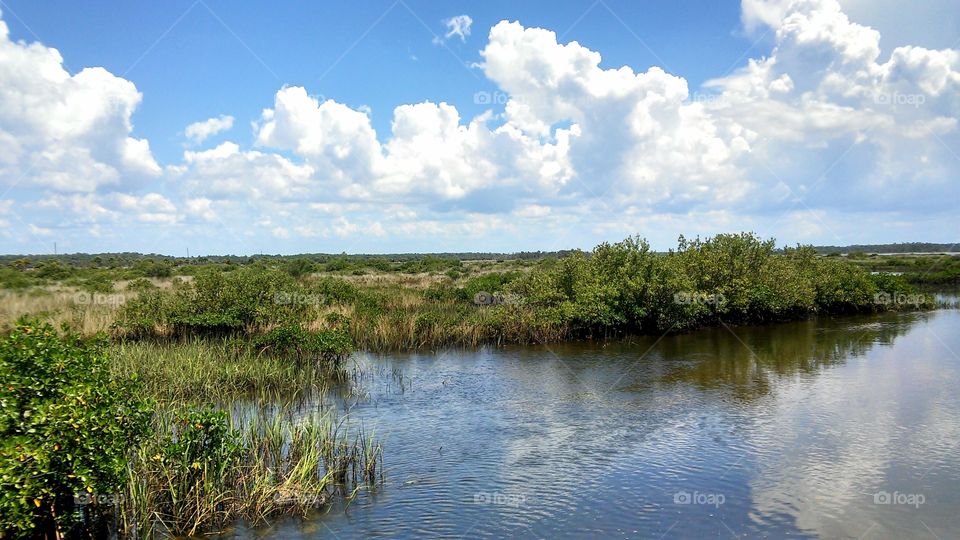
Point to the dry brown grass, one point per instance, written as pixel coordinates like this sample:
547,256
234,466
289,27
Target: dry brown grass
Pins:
87,313
388,279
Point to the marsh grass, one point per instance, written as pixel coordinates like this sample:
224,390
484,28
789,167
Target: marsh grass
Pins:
202,471
383,312
213,371
85,312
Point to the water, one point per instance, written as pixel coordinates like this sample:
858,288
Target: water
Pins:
845,428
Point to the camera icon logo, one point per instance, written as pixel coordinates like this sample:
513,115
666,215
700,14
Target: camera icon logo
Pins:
682,497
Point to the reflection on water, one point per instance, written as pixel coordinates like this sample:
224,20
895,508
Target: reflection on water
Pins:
846,428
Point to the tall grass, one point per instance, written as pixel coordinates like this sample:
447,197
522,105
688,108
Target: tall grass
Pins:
201,472
212,371
86,312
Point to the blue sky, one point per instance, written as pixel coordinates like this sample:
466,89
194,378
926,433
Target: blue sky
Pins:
808,120
236,66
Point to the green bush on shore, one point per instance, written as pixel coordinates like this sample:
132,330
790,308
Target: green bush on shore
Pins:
216,303
65,428
617,289
734,278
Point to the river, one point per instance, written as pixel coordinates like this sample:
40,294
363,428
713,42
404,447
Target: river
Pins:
827,428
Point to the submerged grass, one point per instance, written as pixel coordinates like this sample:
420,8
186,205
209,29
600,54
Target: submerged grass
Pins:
202,471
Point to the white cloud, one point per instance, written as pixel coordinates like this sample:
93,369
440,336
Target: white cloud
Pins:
198,132
837,125
336,139
575,139
633,134
39,231
201,208
66,132
456,26
226,172
826,121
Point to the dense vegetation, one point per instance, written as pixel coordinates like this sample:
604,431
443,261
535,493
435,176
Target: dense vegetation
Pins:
625,288
617,289
82,446
319,311
135,427
65,428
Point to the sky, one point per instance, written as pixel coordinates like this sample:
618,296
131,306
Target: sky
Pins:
424,126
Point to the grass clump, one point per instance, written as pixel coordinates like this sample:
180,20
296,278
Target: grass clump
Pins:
209,370
200,472
325,348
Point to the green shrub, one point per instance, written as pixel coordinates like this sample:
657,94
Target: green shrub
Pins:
14,279
217,303
734,278
141,284
324,347
333,290
493,282
65,428
605,291
99,283
298,267
152,268
336,265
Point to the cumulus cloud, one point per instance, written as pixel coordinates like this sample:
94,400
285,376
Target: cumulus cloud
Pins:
226,172
456,26
819,122
337,140
825,121
198,132
69,133
838,126
637,135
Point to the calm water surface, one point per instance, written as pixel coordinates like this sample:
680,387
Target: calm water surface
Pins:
846,428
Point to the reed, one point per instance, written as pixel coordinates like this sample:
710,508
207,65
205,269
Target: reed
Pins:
211,371
203,470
